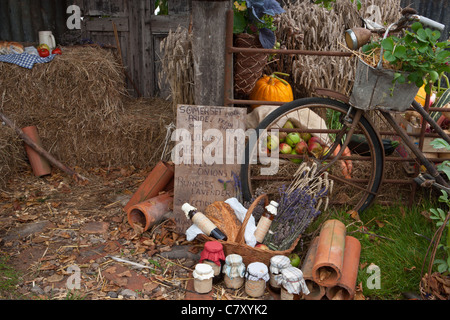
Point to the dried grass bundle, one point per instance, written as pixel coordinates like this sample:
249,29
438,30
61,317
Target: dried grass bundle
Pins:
83,114
322,30
82,83
12,153
178,66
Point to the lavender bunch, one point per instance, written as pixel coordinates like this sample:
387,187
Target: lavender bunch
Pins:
297,209
237,186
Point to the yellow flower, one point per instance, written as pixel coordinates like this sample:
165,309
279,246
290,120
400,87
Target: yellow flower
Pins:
240,6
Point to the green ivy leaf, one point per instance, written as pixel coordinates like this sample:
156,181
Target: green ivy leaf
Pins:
434,76
442,267
422,35
400,52
443,54
416,26
239,22
433,35
389,56
399,77
388,44
445,168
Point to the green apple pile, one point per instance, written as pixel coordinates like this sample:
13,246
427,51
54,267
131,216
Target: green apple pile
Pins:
295,143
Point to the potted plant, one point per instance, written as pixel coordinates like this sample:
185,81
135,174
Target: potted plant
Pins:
418,53
256,17
253,27
411,60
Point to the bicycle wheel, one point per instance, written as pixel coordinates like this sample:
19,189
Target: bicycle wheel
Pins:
323,118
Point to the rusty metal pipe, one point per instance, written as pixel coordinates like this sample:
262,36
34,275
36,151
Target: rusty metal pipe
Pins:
292,51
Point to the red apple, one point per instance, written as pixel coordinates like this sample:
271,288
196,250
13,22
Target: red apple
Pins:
305,136
301,147
285,148
314,139
315,149
262,246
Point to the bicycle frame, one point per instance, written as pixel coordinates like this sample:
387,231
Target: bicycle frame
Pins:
431,168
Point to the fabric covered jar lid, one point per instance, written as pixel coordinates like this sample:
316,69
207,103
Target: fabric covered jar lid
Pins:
257,271
212,251
203,271
213,246
279,262
293,282
233,259
234,267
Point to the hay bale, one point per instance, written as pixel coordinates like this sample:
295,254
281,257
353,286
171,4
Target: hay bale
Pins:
12,154
82,83
83,113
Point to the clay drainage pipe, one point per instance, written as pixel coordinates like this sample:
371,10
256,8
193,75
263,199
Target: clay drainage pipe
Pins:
39,164
149,212
329,259
157,180
316,292
345,288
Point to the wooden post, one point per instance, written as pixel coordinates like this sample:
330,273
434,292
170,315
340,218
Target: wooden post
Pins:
209,24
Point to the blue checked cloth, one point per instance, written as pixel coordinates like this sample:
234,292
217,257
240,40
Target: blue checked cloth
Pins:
25,60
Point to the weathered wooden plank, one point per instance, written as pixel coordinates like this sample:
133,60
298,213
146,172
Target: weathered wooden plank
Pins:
105,24
60,19
208,47
179,6
162,24
105,7
202,157
147,84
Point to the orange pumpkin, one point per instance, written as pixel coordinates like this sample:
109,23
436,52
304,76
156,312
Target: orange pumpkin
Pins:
272,88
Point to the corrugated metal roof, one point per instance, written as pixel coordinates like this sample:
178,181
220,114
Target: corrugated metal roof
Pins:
21,20
438,10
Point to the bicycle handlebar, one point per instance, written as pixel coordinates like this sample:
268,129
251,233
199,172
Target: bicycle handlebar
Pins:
428,22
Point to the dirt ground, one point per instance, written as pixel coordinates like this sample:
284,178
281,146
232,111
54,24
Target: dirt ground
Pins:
56,231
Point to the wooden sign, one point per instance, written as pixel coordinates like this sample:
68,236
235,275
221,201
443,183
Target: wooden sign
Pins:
209,145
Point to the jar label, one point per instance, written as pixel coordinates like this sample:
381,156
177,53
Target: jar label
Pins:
262,228
203,223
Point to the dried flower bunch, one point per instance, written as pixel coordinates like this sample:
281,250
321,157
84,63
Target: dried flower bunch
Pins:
299,205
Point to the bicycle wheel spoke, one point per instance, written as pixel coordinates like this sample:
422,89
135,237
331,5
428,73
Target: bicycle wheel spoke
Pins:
356,171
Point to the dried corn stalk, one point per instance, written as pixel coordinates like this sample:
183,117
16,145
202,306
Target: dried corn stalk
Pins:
178,66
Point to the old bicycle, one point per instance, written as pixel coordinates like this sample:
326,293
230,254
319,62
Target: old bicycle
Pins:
355,156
